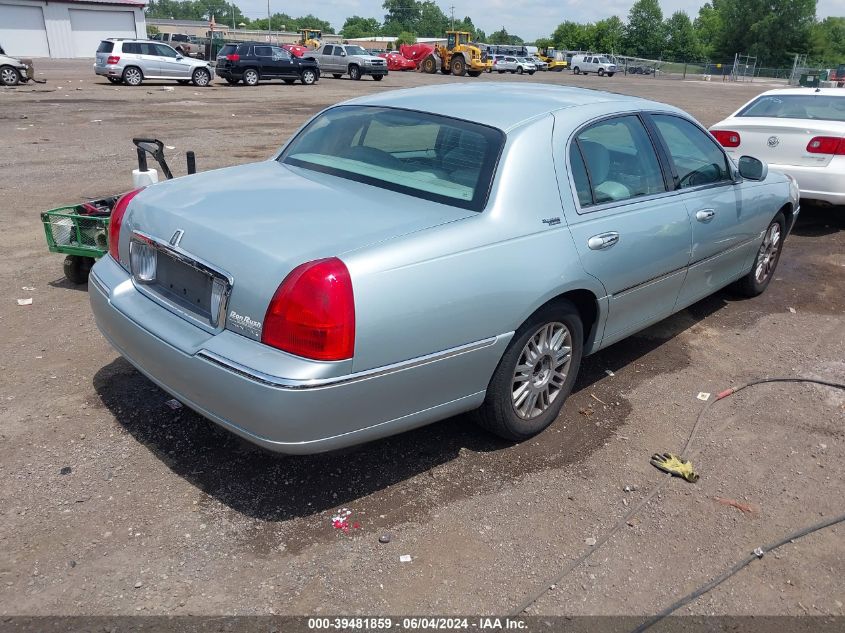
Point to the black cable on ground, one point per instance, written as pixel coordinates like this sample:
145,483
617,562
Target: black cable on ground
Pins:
757,554
555,580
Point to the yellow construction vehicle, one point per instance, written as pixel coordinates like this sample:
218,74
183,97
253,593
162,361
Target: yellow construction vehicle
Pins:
310,38
458,57
554,58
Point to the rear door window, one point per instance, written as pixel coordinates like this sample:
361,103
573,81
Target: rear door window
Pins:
620,159
263,51
164,50
328,50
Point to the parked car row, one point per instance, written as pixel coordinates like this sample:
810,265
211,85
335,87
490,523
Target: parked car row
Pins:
131,61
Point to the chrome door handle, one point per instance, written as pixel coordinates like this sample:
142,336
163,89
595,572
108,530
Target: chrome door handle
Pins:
603,240
705,215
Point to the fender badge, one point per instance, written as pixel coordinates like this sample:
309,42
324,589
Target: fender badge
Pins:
551,221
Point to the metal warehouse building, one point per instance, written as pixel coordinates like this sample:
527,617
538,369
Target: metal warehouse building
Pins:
66,28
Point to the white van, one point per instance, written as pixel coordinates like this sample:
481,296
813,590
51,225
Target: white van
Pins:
599,64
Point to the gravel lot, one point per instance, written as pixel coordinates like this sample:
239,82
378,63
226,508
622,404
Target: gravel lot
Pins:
112,503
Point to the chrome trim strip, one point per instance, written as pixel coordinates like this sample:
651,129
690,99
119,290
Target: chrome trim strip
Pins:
317,383
726,251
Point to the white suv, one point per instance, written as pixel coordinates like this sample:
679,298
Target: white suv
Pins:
133,61
599,64
512,64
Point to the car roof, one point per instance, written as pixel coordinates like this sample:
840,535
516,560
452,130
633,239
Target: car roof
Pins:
504,105
835,92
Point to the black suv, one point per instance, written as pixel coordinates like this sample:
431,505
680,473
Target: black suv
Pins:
253,62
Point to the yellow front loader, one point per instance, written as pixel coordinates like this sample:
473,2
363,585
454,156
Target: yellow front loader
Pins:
457,57
554,58
310,38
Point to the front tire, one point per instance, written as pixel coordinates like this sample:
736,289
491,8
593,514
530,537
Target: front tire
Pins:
429,65
601,72
337,75
354,73
535,375
768,255
9,76
576,71
309,77
459,67
378,77
251,77
201,77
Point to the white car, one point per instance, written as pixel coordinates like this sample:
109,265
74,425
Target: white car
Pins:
512,64
797,131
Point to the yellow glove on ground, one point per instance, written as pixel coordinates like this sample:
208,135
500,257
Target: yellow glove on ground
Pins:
667,462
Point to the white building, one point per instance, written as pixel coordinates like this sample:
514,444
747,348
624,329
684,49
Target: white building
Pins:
67,28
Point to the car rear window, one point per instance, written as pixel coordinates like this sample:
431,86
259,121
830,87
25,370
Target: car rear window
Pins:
105,47
809,106
416,153
228,49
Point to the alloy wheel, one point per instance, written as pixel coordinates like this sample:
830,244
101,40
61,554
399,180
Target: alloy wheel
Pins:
541,370
132,76
767,257
9,76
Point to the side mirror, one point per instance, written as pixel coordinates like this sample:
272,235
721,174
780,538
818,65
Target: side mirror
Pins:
343,53
752,168
178,57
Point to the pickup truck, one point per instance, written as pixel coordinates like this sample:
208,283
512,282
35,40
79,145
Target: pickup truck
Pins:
187,45
346,59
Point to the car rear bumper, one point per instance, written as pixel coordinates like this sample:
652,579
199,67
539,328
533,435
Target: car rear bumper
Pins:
280,414
823,184
108,71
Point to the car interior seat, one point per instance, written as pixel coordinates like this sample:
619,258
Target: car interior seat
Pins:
598,161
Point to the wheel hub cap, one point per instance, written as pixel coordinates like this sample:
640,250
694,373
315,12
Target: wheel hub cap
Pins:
541,370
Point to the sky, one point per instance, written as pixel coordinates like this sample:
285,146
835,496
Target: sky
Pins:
529,19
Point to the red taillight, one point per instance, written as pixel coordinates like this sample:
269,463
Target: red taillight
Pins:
233,57
827,145
113,59
116,220
726,138
312,313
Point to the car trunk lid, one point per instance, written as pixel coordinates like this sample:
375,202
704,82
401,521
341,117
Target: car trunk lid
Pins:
782,141
255,223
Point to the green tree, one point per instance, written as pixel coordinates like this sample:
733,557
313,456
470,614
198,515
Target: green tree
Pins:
402,15
644,33
608,35
772,30
432,21
356,27
708,28
544,42
503,37
827,41
681,39
405,37
572,36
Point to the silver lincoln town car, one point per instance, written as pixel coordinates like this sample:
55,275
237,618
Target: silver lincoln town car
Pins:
414,254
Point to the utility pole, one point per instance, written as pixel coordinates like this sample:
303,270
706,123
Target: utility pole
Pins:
268,20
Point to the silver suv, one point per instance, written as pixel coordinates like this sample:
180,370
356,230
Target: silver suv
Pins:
133,61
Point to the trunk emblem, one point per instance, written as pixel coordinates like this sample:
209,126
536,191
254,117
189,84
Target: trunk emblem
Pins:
177,237
773,141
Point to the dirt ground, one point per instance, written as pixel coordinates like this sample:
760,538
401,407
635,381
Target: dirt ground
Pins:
112,503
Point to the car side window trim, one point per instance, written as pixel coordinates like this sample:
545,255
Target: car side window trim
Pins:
671,164
603,206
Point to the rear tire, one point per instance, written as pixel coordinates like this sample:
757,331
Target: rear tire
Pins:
289,81
132,76
610,74
378,77
768,255
233,82
251,77
337,75
114,80
77,268
474,73
535,375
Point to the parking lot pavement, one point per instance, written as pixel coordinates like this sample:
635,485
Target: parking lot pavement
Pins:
113,503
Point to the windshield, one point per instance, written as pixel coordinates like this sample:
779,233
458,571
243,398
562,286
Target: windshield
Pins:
423,155
355,50
808,106
604,60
